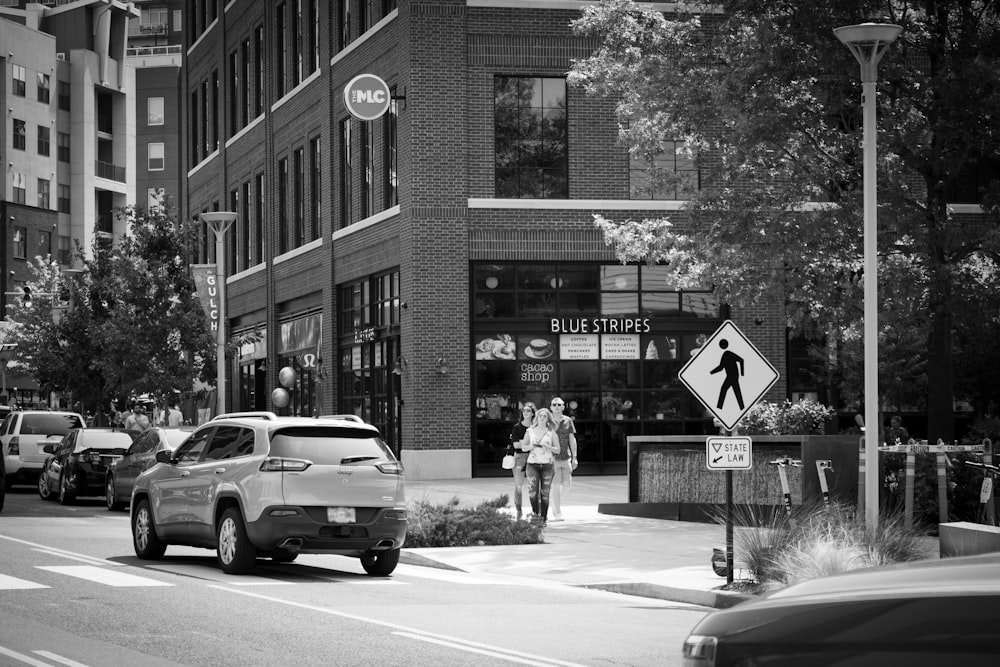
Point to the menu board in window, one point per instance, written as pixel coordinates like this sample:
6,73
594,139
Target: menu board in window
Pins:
620,347
579,347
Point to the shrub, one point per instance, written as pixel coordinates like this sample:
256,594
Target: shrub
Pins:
454,525
802,418
817,541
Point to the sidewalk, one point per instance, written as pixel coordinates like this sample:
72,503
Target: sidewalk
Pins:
654,558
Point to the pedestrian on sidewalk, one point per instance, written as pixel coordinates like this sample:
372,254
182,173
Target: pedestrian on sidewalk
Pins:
565,459
521,444
544,444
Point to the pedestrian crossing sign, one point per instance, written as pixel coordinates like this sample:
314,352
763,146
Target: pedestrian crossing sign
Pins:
728,374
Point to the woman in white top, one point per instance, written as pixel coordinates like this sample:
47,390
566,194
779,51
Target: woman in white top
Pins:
542,444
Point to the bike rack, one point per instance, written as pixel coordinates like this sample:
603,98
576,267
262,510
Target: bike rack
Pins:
783,476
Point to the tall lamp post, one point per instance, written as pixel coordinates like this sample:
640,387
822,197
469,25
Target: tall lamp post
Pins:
219,222
868,42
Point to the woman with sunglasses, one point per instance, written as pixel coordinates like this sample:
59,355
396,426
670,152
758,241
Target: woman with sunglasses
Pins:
544,443
519,441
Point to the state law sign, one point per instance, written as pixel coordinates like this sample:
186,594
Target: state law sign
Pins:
367,97
734,453
728,374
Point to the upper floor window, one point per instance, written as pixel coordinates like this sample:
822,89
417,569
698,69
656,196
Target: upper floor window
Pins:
18,140
17,80
344,34
154,111
671,174
43,88
390,163
531,139
62,146
17,185
155,157
20,242
44,139
280,49
63,88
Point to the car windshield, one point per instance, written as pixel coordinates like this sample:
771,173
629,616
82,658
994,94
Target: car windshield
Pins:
329,445
44,423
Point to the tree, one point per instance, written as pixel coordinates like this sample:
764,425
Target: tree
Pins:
768,100
135,325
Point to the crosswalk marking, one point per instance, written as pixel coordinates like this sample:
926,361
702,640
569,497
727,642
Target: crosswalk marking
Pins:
103,576
14,584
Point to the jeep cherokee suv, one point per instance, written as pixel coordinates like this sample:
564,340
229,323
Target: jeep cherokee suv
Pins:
255,484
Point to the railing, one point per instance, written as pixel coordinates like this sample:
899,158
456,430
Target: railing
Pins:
153,50
137,29
109,171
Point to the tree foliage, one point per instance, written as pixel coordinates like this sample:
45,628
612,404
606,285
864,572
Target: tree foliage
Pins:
768,100
131,321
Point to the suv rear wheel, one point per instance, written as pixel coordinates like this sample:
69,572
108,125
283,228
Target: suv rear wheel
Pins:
236,554
109,496
380,563
146,542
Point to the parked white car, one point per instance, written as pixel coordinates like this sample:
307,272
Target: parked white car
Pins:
23,436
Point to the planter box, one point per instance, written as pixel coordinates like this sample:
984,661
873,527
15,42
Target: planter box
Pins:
668,475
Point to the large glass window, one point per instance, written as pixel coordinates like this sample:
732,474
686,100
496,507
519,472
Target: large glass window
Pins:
608,338
530,137
371,364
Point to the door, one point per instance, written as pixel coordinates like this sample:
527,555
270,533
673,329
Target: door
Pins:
171,486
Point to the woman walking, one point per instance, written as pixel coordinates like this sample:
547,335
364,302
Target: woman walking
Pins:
543,443
521,445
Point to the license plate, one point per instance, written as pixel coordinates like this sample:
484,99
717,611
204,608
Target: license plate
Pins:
340,514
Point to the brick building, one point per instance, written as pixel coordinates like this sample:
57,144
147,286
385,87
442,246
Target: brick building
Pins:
432,269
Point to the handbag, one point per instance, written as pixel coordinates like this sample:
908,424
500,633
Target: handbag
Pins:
508,459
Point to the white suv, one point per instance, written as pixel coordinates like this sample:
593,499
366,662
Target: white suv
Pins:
23,436
255,484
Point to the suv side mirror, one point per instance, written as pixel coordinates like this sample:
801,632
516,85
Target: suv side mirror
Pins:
163,456
49,449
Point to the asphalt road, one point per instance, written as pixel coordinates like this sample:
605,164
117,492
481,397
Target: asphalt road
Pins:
72,592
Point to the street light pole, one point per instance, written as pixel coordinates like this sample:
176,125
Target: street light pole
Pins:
868,42
219,222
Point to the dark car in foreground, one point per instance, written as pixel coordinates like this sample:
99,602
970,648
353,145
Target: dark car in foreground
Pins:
139,456
79,463
925,613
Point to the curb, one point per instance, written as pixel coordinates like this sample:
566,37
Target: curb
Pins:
410,558
713,598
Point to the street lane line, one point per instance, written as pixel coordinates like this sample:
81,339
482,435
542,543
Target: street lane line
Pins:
14,584
103,576
539,662
401,628
26,659
82,559
58,551
58,658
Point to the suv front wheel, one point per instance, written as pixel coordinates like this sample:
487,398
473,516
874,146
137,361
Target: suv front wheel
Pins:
236,554
380,563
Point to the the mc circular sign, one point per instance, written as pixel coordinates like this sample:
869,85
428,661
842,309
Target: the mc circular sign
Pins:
367,97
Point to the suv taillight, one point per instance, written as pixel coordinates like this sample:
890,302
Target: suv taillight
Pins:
14,447
284,465
390,467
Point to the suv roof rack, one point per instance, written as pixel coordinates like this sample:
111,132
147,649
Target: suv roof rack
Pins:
262,414
350,418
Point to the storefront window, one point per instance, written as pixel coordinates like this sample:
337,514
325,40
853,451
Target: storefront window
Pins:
608,339
370,364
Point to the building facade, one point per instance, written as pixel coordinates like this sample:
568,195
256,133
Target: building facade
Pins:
68,143
434,268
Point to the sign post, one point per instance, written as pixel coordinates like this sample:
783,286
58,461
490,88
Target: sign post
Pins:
728,375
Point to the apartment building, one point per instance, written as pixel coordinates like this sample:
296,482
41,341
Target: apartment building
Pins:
68,143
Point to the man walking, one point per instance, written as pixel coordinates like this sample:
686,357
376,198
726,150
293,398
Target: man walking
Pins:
565,462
